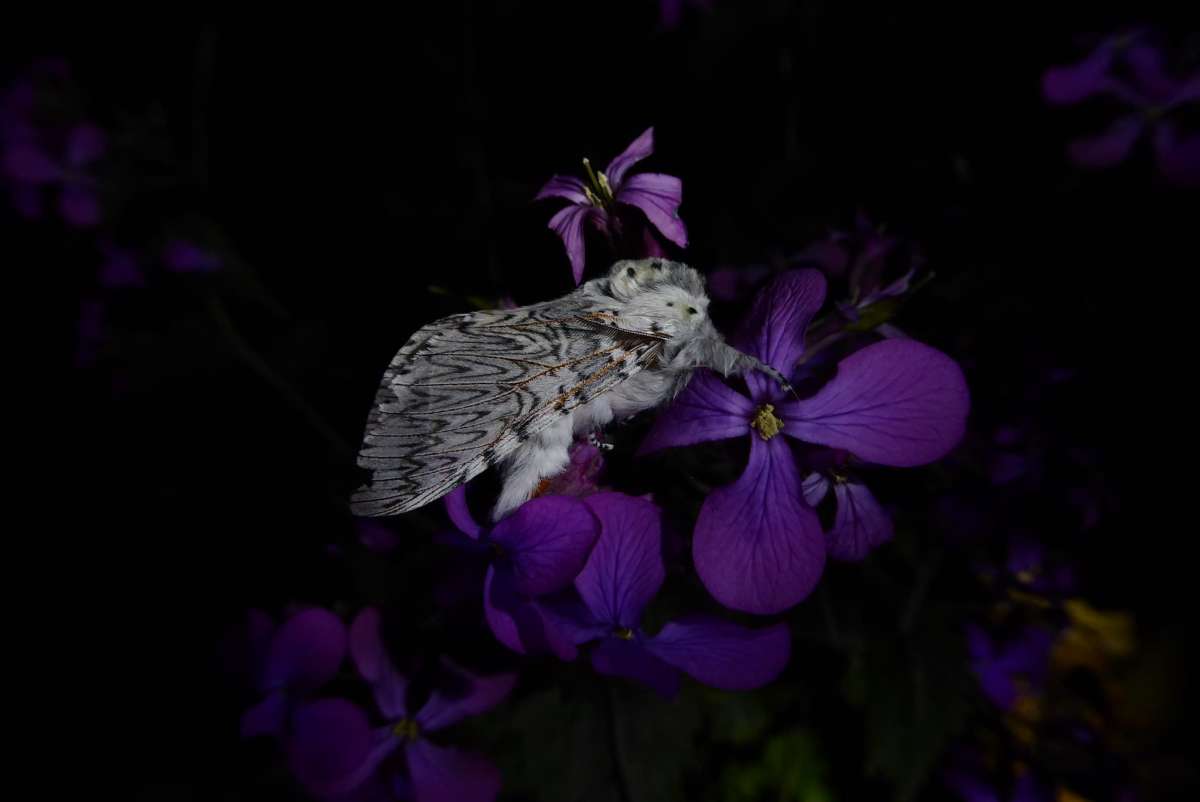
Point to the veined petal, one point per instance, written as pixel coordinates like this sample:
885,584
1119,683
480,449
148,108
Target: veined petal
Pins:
1074,82
1109,148
563,186
481,694
630,659
568,225
896,402
707,409
774,329
524,625
658,196
371,659
757,546
625,568
547,540
816,486
638,149
722,654
443,774
460,513
330,741
306,651
860,525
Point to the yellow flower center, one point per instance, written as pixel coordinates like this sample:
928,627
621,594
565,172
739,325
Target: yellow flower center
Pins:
600,192
406,729
765,421
624,633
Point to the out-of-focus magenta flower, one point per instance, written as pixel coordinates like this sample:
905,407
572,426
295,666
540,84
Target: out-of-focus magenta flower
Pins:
537,550
31,166
606,198
622,575
334,749
1000,668
303,654
1133,71
758,545
183,256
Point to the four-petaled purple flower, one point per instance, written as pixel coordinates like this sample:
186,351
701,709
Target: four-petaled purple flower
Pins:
1149,90
622,575
1003,670
294,660
607,198
334,749
758,544
537,550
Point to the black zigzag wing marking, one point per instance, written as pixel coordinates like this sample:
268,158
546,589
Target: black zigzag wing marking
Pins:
466,390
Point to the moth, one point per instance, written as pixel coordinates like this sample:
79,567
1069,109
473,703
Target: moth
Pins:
513,388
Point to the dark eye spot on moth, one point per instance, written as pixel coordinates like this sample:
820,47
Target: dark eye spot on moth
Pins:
670,303
691,310
630,272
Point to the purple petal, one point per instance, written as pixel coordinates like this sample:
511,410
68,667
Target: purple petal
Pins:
268,717
707,409
568,225
861,524
370,657
816,486
306,651
460,513
638,149
1178,158
28,163
481,695
563,186
1109,148
1146,63
774,330
658,196
185,257
442,774
896,402
625,569
547,540
1073,83
331,740
723,654
757,546
79,205
524,625
85,144
630,659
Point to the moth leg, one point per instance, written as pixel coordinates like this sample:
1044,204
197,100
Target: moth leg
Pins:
595,441
725,359
544,455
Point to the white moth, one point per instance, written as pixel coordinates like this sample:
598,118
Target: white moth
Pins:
514,387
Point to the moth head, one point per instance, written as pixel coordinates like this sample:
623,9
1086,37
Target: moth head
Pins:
630,277
661,288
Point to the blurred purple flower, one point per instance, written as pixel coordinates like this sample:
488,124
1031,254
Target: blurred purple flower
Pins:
302,655
1029,565
607,197
536,551
30,166
758,545
670,12
1146,87
183,256
1001,668
334,749
623,574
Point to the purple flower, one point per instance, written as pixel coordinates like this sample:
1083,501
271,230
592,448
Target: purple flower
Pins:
860,523
758,545
29,164
334,749
537,550
302,655
1147,89
608,197
183,256
622,575
1002,669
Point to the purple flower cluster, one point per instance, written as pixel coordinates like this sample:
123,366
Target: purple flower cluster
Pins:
1132,71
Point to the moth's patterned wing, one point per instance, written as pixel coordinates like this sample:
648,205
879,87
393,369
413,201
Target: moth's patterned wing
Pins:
466,390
